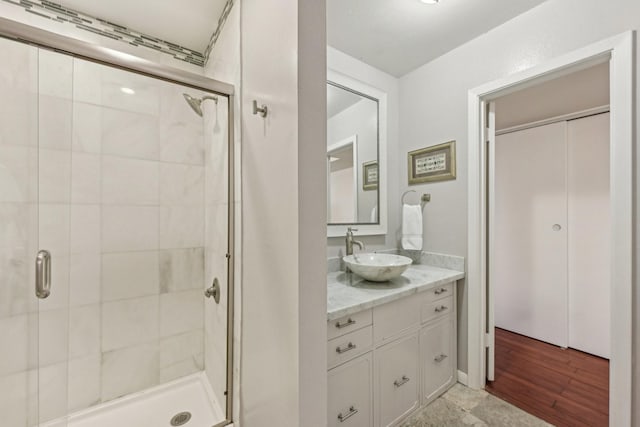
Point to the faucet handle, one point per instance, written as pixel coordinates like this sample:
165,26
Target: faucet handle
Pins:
350,229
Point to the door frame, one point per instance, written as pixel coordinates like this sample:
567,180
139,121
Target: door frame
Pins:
618,50
353,142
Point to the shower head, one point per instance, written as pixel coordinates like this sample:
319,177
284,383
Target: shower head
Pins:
196,103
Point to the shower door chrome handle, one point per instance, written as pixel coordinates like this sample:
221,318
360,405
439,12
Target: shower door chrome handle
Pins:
43,274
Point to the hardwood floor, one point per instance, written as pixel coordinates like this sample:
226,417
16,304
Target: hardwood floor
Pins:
563,387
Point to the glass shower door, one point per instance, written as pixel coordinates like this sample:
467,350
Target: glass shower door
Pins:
32,331
52,258
120,183
18,233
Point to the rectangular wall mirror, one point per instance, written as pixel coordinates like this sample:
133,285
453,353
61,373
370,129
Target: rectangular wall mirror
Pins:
356,144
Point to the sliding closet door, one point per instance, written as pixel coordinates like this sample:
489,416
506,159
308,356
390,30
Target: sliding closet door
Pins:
530,274
589,234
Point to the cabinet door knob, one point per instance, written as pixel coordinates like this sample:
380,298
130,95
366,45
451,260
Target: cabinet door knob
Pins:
440,358
349,347
440,309
351,413
401,382
440,291
349,322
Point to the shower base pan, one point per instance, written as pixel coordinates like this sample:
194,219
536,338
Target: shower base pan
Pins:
154,407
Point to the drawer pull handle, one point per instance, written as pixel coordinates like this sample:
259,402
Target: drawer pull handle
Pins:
440,291
351,413
441,309
440,358
349,347
349,322
403,381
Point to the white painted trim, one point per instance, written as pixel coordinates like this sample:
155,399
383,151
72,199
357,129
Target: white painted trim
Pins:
381,96
462,378
490,339
563,118
619,51
622,119
475,252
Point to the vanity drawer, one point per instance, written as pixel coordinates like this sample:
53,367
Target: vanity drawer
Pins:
348,346
350,394
439,292
436,309
395,318
344,325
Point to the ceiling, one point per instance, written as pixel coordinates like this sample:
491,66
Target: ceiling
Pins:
397,36
339,100
189,23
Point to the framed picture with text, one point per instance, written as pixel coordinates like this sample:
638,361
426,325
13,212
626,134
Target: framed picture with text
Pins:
370,175
430,164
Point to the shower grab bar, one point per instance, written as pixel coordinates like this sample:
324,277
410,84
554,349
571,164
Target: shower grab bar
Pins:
43,274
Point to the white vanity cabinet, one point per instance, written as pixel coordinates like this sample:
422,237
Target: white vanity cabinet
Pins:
387,361
437,348
350,396
397,382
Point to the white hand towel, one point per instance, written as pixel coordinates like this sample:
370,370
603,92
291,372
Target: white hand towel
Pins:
411,227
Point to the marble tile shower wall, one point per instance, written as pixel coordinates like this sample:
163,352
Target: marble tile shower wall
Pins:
120,204
18,233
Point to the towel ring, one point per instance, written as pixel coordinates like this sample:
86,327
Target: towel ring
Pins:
426,197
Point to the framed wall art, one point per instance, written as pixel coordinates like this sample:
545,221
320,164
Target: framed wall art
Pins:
370,175
430,164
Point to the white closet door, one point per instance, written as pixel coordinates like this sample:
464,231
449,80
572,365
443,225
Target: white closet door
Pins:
589,234
530,274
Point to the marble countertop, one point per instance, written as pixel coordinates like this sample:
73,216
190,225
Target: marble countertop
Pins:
348,293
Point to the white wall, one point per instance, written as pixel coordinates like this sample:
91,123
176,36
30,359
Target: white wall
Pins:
434,106
358,70
284,275
568,94
312,119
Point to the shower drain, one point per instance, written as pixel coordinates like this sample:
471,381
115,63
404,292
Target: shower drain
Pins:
181,418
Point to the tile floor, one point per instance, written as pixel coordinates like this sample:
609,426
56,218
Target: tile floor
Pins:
462,406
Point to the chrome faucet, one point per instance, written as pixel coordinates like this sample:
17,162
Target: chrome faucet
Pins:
350,242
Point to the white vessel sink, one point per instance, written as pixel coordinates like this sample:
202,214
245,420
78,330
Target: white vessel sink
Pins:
377,267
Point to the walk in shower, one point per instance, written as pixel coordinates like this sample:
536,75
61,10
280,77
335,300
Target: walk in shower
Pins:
116,193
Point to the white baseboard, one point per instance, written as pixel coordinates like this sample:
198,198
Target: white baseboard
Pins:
462,378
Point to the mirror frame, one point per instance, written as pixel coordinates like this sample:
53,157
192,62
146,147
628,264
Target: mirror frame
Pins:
364,229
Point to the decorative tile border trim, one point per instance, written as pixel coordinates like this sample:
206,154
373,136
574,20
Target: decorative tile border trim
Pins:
58,13
221,21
